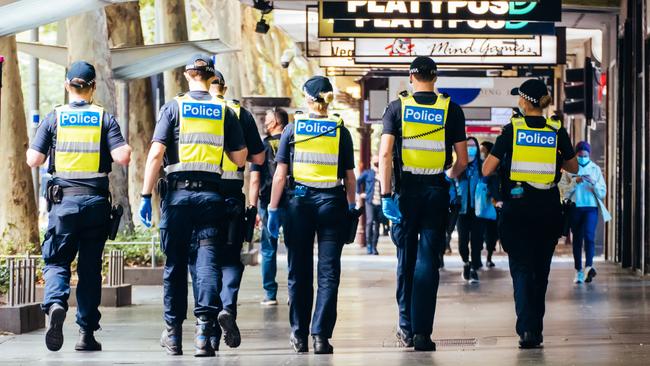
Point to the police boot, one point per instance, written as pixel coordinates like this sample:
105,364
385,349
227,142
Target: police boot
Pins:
54,333
202,337
530,340
423,343
87,341
172,340
299,344
215,337
229,327
322,346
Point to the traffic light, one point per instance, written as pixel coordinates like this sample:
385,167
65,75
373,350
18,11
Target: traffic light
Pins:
579,91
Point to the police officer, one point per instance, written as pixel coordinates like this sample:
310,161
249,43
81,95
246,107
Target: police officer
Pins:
230,267
260,190
316,152
192,133
532,149
81,140
419,133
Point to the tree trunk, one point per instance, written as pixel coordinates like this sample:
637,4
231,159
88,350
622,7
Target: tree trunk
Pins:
18,212
125,30
89,41
171,25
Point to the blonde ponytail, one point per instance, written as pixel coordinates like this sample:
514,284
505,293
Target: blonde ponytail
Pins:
545,101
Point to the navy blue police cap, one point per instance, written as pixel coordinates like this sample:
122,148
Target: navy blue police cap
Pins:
532,90
219,79
192,63
423,65
81,74
316,85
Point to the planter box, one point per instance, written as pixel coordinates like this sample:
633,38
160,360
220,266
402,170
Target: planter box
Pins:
21,318
112,296
143,276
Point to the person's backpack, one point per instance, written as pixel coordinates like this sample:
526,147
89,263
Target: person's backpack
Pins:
483,206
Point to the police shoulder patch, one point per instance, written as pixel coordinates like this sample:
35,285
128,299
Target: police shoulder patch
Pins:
180,94
235,101
298,112
403,93
444,95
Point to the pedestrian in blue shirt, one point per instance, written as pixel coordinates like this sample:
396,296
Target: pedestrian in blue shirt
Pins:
371,193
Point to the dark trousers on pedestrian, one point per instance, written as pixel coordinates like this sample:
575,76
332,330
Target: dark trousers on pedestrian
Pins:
529,228
490,235
583,226
373,222
188,216
470,238
321,214
419,237
79,224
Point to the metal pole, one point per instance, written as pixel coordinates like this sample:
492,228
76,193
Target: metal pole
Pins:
34,106
12,283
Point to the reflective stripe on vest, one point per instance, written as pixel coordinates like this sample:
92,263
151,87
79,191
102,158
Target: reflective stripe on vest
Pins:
423,135
534,152
200,140
78,141
315,161
230,169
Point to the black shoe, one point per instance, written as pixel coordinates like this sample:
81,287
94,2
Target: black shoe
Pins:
404,340
299,344
54,333
423,343
490,264
375,252
215,336
202,338
172,340
590,273
442,261
530,340
87,342
231,335
322,346
466,270
473,276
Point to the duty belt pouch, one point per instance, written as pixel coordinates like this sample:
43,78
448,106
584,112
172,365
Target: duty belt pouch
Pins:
114,221
53,194
235,216
249,223
351,234
162,187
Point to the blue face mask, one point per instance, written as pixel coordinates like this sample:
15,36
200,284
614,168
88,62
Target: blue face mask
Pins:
471,151
583,160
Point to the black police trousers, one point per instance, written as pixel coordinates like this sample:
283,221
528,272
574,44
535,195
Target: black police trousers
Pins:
529,228
420,238
79,224
321,213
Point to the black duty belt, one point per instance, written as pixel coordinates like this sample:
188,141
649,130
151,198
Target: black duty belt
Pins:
84,191
195,185
429,180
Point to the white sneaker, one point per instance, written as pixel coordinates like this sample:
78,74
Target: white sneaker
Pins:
269,302
580,277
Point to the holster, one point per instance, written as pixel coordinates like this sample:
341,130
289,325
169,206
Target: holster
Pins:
53,194
250,217
351,234
235,217
114,221
162,186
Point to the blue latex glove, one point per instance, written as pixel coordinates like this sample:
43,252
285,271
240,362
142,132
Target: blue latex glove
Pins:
145,211
352,206
391,210
273,224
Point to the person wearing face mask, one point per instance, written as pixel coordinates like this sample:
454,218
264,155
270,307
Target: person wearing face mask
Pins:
275,121
530,152
470,228
584,189
491,233
372,197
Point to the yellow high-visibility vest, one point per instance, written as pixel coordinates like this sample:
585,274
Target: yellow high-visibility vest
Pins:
78,141
230,169
316,160
423,135
534,151
200,140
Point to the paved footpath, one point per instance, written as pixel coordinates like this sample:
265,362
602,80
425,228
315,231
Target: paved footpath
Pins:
604,323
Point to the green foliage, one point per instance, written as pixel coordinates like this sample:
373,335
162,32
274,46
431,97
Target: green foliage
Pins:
4,278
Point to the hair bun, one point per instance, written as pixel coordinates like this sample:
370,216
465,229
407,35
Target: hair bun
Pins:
328,97
545,101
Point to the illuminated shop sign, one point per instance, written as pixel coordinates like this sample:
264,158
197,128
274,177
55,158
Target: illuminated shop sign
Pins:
372,28
542,10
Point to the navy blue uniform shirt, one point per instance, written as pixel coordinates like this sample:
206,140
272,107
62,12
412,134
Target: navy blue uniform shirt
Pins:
167,131
454,126
44,141
346,149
